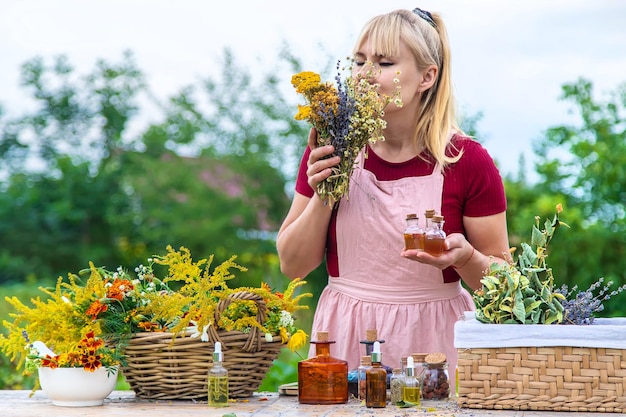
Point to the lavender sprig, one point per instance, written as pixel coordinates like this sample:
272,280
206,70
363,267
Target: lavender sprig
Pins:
580,306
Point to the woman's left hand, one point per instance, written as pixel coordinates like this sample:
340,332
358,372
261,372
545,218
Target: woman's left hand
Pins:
457,250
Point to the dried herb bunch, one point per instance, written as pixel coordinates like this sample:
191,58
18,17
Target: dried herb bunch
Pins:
580,306
347,115
524,292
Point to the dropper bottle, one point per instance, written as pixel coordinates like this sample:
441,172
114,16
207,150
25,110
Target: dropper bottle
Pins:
376,381
411,383
218,379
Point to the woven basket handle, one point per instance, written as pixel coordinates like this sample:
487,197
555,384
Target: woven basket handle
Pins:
253,343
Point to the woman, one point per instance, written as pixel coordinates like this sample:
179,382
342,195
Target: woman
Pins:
425,162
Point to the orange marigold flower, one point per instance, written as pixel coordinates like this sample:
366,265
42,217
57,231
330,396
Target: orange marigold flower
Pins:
50,362
148,326
118,288
91,342
91,361
95,309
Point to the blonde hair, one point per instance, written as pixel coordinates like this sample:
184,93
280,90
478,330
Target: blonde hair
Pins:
428,41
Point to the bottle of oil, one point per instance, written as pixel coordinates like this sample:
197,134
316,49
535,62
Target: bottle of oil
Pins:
376,381
322,379
411,383
218,380
413,234
435,238
371,337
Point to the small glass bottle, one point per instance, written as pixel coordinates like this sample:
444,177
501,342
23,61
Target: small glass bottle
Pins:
376,381
371,336
396,386
323,379
218,380
366,363
411,391
436,381
435,237
413,234
428,216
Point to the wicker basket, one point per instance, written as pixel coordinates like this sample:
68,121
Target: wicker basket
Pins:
543,378
166,368
542,367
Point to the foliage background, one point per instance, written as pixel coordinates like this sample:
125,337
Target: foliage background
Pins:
82,179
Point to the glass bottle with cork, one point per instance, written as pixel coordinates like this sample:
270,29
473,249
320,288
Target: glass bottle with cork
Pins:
428,216
413,234
435,237
366,363
376,381
436,381
322,379
371,336
218,379
396,386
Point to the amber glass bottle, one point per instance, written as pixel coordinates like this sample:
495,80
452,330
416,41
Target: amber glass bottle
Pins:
322,379
376,381
413,234
435,239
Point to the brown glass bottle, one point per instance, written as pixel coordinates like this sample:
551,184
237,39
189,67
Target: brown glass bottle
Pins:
322,379
376,381
435,238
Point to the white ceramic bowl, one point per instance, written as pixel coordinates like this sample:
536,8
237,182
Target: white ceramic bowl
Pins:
76,387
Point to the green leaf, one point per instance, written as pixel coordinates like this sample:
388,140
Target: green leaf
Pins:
405,404
518,306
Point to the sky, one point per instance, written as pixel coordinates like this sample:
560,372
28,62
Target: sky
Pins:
509,58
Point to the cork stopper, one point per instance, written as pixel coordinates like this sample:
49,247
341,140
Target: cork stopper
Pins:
435,358
411,216
366,360
371,335
429,213
322,336
437,218
403,362
419,357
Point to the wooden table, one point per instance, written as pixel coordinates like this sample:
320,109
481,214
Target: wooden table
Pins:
124,403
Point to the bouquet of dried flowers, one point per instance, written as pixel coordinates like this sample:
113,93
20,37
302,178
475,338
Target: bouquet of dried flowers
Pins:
524,292
347,115
90,321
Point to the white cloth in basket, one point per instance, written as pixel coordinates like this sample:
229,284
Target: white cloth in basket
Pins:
603,333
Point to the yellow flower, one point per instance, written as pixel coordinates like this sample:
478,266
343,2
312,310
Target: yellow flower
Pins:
305,81
347,115
297,340
284,336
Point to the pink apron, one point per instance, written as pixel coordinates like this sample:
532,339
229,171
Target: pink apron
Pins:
408,303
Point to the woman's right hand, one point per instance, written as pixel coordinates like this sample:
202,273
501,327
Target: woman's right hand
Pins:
319,164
